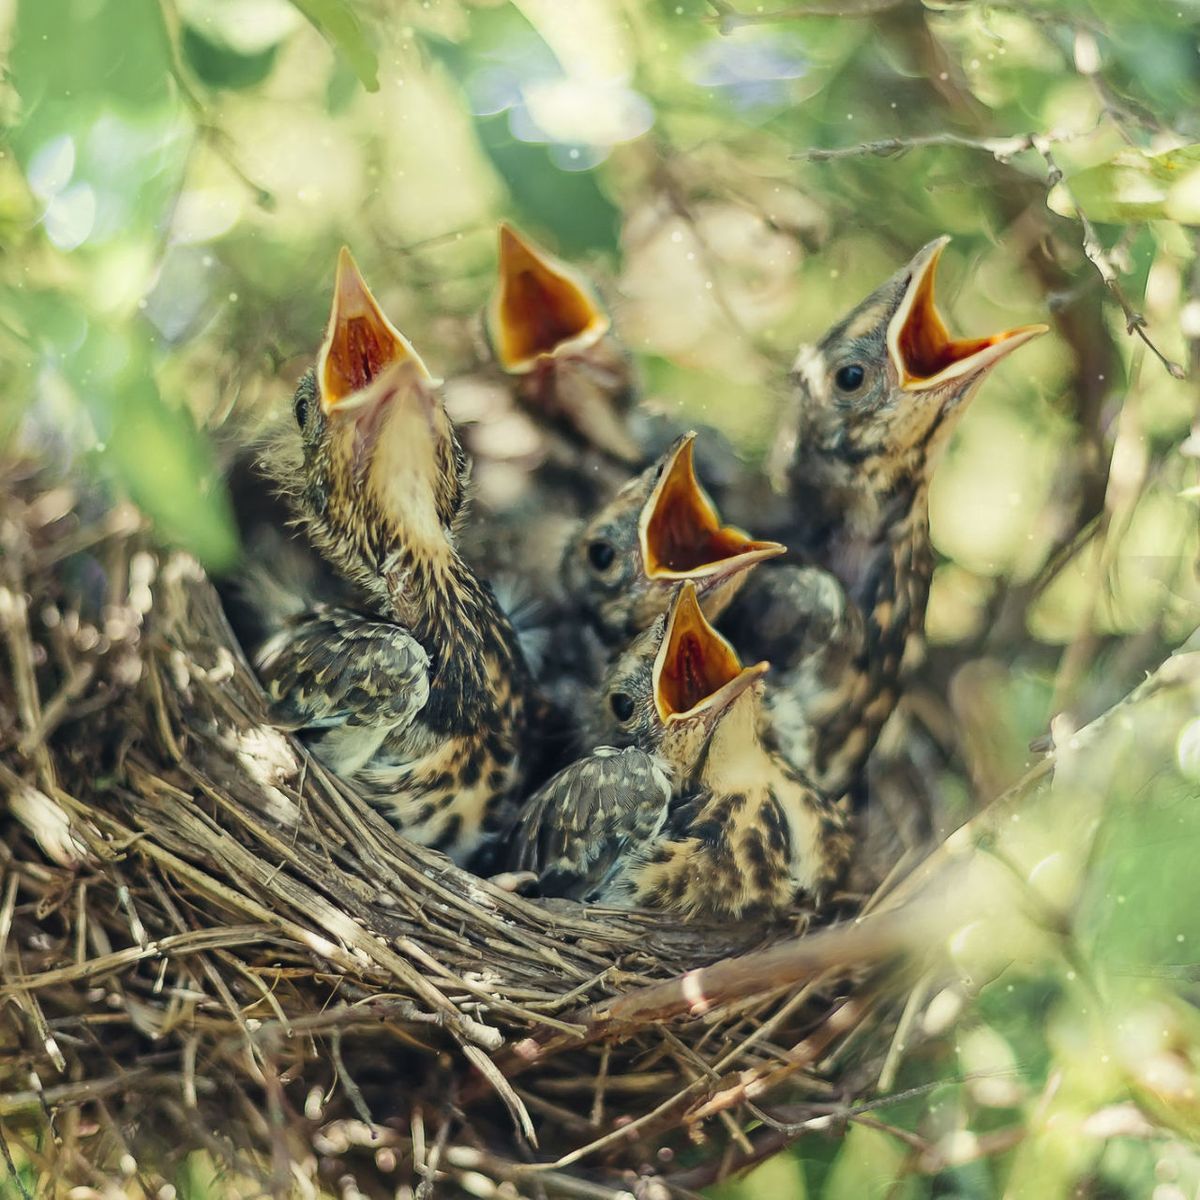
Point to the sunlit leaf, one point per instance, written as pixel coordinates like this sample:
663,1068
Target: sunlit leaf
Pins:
167,468
220,66
780,1176
869,1163
151,449
1134,186
340,24
570,205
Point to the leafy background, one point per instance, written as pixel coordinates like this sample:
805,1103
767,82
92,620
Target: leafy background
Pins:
175,179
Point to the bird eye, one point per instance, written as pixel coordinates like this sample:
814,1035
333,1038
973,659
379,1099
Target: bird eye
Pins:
850,377
621,704
300,408
601,554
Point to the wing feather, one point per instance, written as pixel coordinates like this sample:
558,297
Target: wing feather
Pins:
574,832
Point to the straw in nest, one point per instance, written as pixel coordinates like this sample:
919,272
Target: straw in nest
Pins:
209,943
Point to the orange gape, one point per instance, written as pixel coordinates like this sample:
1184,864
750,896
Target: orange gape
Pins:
538,307
684,531
540,311
359,350
360,341
925,343
682,534
697,661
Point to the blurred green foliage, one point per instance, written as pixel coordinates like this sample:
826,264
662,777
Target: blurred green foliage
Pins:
176,176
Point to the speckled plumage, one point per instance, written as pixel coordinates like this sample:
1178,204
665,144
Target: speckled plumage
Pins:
652,717
717,826
575,832
745,833
420,703
876,401
753,837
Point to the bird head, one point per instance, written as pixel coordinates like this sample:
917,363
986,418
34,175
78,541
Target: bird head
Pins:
625,566
672,686
381,471
547,329
883,388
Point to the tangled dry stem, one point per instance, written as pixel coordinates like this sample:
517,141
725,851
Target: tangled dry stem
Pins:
208,943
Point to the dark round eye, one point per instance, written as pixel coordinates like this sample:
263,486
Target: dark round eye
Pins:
600,555
621,704
850,377
300,408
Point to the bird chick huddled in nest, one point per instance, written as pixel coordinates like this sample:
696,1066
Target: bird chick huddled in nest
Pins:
639,762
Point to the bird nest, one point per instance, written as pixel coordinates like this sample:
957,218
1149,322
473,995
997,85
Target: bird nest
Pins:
210,944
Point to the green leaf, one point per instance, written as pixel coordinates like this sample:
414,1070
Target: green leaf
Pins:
338,22
1134,186
870,1165
782,1175
152,450
220,66
570,206
166,466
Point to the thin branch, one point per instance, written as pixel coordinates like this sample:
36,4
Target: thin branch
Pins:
1094,250
16,1175
704,989
728,19
1004,149
210,134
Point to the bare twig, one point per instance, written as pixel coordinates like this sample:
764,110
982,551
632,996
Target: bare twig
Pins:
1093,248
729,19
1003,150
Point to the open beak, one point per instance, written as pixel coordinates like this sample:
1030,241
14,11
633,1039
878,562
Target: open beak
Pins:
680,532
697,673
541,308
360,343
922,351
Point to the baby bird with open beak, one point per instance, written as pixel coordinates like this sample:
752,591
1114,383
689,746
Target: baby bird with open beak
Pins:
727,829
623,566
570,448
421,702
877,400
657,707
574,383
550,335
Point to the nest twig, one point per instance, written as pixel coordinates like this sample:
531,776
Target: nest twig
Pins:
210,944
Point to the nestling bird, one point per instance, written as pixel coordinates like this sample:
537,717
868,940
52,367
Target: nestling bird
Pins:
656,709
567,446
549,333
754,838
877,400
730,830
421,702
624,565
574,383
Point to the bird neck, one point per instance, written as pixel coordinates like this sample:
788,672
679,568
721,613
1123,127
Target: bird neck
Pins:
735,746
870,533
878,548
454,615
